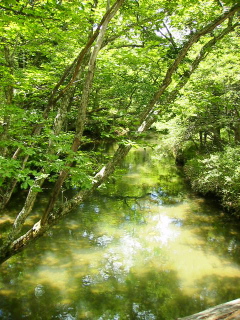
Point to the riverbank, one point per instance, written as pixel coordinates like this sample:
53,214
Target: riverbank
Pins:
210,171
215,173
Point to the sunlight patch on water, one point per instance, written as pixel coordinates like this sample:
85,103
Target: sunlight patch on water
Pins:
193,264
6,219
57,276
164,242
7,293
189,254
164,229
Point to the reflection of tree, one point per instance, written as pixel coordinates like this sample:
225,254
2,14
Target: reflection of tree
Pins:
38,306
220,234
143,171
217,289
113,291
152,295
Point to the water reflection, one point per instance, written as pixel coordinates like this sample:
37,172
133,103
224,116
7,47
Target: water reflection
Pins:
142,248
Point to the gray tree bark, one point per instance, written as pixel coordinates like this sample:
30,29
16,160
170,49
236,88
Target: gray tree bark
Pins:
81,118
226,311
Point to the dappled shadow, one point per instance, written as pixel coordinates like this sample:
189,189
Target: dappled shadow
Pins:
219,289
150,295
218,231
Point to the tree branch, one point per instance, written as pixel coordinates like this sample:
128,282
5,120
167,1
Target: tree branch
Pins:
181,55
170,38
205,50
82,110
83,52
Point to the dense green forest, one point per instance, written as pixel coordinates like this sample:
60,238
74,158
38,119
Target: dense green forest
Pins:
75,73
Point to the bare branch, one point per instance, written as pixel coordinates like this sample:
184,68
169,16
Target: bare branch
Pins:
170,38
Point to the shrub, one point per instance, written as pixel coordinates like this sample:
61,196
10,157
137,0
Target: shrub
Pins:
217,173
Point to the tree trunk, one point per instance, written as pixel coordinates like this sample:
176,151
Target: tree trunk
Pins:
81,111
39,229
225,311
34,190
217,137
236,130
59,120
9,93
201,139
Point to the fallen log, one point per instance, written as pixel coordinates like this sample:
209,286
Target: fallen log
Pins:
226,311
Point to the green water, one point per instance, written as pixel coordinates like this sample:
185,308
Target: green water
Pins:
143,247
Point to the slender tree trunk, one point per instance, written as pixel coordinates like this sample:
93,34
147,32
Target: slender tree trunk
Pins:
73,69
59,120
9,93
34,190
81,111
236,130
181,55
201,139
108,15
217,137
11,187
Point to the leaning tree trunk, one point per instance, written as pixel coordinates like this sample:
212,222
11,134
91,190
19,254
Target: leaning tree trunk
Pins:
82,110
39,229
27,208
58,123
225,311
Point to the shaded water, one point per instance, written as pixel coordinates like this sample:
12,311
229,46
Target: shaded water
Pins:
144,247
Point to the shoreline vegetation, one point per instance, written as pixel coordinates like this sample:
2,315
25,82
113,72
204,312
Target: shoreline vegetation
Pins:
212,173
217,174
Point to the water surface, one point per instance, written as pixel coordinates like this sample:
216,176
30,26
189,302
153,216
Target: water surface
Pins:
143,247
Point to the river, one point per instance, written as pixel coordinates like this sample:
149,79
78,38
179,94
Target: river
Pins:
143,247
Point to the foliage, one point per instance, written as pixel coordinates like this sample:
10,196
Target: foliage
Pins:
204,128
208,108
219,174
74,73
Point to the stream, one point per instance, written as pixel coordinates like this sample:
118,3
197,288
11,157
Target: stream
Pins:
143,247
